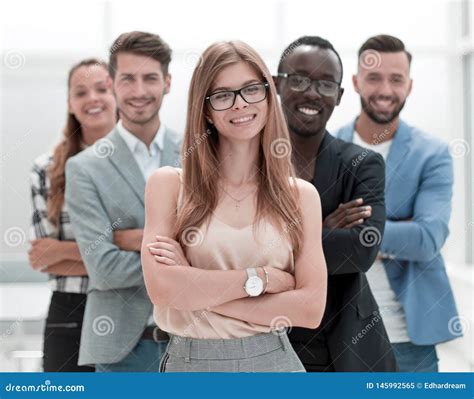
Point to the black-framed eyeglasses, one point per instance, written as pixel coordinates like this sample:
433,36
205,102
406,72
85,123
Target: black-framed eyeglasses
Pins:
301,83
251,94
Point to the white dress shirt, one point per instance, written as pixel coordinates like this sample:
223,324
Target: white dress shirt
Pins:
390,308
148,160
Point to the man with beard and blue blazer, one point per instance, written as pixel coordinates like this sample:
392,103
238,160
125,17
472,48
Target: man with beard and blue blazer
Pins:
408,278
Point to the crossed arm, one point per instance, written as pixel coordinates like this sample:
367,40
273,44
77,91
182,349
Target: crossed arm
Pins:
59,257
187,288
421,238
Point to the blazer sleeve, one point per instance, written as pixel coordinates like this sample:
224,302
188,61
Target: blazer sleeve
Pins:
354,250
422,238
107,265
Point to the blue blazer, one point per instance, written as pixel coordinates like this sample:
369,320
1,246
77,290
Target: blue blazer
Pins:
418,191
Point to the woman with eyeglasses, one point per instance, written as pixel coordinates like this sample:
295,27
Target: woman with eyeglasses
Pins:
232,254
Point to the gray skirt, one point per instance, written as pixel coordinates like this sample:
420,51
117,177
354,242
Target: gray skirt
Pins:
268,352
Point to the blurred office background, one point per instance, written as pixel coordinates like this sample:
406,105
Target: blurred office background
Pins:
41,40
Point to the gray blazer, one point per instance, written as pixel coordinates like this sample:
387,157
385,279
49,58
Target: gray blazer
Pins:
105,192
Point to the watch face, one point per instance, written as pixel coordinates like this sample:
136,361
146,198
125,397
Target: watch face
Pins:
254,286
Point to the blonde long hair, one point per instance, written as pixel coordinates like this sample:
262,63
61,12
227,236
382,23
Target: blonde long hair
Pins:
277,195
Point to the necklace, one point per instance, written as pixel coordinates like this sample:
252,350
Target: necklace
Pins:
236,200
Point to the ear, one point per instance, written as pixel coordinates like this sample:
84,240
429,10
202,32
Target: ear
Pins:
410,87
276,81
167,83
355,83
69,109
341,92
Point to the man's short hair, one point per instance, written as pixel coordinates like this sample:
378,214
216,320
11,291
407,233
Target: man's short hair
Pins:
384,44
140,43
314,41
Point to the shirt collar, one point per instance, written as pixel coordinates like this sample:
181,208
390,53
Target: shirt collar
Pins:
132,141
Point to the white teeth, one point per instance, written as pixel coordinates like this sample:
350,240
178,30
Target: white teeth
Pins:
383,103
308,111
243,119
138,104
96,110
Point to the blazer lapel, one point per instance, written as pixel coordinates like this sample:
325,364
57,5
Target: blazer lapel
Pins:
347,132
400,146
126,166
327,170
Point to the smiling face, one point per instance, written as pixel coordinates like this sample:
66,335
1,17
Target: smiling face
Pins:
242,121
384,87
139,87
307,112
90,97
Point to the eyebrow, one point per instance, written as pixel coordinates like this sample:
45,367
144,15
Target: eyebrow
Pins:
133,74
392,75
95,83
323,76
222,88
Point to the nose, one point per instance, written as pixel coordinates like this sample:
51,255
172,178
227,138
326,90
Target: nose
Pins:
239,102
93,95
139,88
311,92
385,88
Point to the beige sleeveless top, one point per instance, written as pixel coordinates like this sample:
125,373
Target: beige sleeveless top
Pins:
222,247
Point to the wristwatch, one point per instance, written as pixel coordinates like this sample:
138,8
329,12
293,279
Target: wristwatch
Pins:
254,284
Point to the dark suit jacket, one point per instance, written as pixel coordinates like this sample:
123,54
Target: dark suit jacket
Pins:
351,326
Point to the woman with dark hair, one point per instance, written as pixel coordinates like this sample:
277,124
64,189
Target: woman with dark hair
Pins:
91,115
239,255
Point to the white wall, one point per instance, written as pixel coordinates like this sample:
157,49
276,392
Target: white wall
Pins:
46,38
